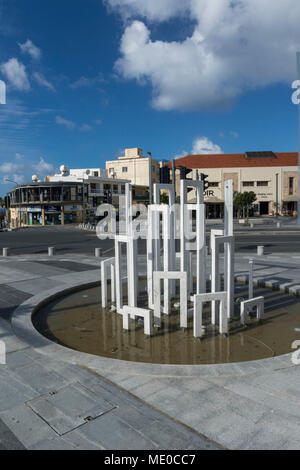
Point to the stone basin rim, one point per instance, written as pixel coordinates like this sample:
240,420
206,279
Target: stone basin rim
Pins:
23,328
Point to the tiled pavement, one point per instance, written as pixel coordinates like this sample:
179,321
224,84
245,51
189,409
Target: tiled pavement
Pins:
258,410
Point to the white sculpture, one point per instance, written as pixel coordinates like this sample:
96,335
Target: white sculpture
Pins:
167,265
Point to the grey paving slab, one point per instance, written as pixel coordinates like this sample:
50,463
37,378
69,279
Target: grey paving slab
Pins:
70,407
79,441
69,265
12,343
10,298
40,379
114,433
8,440
53,444
26,426
30,269
33,288
13,393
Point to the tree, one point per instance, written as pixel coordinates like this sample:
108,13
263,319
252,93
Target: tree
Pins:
164,198
244,202
1,202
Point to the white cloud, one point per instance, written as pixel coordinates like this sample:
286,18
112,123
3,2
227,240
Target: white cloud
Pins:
42,81
19,156
15,73
29,48
21,171
9,167
182,154
85,128
85,82
201,146
234,134
44,168
152,9
236,45
64,122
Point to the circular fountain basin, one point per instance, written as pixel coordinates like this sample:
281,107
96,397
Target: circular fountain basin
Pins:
78,322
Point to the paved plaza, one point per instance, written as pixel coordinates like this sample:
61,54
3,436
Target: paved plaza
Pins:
55,398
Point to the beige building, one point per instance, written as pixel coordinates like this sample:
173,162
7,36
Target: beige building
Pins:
133,167
252,171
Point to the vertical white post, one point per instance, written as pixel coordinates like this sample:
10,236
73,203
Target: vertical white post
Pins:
201,249
119,286
113,283
157,299
223,322
103,285
131,272
167,265
228,232
198,312
183,300
215,275
250,281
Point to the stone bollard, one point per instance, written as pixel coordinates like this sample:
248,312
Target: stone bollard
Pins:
252,225
98,252
278,224
5,252
260,250
51,251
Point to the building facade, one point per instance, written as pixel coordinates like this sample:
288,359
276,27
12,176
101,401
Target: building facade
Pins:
66,198
264,173
134,167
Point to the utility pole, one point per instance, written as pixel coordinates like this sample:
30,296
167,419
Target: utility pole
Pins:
150,179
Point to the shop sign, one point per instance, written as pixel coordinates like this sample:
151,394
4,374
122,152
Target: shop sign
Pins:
52,209
72,208
34,209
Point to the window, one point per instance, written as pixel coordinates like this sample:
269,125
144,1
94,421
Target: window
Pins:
116,189
111,170
96,173
248,183
262,183
291,186
73,194
124,169
123,189
213,185
107,187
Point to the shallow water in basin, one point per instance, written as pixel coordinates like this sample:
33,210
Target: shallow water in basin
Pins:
78,322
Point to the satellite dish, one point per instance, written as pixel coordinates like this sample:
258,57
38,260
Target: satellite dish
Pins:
88,172
64,169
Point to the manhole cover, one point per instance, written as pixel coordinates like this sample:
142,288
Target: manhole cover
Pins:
69,407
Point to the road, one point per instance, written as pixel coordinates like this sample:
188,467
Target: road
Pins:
72,240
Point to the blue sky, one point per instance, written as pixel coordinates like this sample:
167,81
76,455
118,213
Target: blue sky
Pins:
88,78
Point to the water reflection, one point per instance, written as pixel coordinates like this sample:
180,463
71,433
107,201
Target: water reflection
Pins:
78,322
